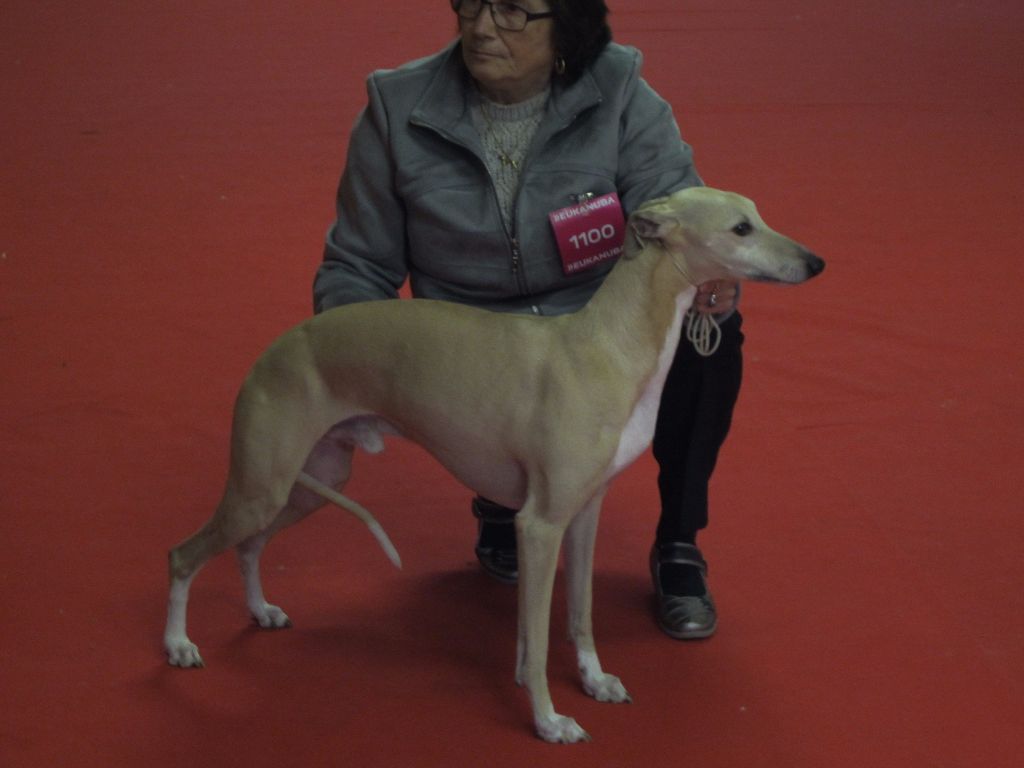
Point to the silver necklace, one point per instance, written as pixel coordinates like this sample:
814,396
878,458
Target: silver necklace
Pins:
503,154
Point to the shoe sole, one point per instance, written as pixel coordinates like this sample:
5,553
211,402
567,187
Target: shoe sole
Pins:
694,634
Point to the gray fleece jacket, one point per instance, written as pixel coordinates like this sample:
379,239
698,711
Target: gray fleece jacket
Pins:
416,200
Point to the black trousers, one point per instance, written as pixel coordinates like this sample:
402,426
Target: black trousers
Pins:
693,421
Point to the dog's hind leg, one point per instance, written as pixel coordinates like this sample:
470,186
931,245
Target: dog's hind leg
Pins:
235,520
330,462
182,652
268,616
257,490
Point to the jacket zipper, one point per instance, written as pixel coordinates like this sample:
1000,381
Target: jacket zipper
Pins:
515,255
509,232
513,241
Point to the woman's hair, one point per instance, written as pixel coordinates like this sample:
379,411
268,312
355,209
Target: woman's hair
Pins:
581,33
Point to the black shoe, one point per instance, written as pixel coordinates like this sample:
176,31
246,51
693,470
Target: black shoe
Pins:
496,540
685,608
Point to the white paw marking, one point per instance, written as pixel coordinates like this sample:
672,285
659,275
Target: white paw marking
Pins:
271,617
598,683
183,653
561,730
607,688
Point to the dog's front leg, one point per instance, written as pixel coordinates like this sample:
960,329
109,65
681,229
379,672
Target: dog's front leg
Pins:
538,543
579,559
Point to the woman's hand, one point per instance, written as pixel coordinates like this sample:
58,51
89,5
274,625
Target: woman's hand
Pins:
716,297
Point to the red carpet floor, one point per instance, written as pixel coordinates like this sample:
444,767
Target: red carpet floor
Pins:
168,172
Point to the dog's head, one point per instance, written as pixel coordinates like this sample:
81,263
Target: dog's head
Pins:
714,235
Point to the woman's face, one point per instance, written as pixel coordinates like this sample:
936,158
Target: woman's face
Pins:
509,66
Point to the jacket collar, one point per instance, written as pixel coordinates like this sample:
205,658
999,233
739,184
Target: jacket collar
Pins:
444,105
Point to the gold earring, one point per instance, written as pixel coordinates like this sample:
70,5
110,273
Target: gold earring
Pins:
559,65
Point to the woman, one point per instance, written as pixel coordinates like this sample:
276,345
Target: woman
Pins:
453,169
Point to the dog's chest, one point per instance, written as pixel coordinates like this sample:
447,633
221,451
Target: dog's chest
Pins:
640,427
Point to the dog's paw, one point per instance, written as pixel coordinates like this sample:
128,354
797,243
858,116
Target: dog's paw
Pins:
607,688
183,653
558,729
270,616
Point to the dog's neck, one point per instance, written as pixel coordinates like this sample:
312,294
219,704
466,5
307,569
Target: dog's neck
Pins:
635,244
637,305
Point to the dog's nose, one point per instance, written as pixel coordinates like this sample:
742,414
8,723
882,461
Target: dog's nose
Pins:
815,265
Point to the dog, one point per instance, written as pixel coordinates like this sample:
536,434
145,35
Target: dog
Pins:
536,413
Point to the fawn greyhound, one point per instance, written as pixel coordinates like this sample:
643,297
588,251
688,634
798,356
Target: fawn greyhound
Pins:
536,413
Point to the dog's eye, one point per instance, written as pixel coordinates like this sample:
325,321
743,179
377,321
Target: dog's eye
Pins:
742,229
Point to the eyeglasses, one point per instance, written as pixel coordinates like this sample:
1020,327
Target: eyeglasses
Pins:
506,15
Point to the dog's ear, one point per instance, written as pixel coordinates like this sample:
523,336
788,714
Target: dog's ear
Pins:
652,220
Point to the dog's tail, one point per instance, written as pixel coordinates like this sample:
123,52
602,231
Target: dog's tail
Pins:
310,482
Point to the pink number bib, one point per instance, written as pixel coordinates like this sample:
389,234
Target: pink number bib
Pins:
589,233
